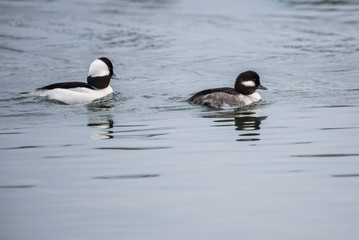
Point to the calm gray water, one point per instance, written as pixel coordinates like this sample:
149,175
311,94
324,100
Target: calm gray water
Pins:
141,164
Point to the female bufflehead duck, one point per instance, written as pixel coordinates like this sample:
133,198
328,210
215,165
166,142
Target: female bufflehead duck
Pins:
97,86
243,93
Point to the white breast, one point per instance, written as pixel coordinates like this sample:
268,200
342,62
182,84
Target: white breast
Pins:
254,97
74,95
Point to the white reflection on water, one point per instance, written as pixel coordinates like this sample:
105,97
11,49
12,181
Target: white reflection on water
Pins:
103,125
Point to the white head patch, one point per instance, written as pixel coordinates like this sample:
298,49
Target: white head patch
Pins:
248,83
98,69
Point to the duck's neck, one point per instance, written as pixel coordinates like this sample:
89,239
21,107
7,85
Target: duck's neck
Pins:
244,90
99,82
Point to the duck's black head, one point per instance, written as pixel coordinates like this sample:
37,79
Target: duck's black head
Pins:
248,82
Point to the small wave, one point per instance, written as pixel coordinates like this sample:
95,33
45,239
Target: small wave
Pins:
129,176
329,155
132,148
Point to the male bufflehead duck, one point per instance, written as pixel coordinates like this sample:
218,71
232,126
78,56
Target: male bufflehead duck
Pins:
243,93
97,86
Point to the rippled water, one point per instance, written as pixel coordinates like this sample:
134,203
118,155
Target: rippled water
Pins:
141,164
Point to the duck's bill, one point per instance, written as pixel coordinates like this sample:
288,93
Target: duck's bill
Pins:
261,87
114,76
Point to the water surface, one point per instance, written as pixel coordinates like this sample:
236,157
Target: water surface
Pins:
141,164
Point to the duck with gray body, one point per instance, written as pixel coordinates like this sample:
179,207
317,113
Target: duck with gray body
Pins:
243,93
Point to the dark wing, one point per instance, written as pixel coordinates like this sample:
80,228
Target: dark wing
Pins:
66,85
227,90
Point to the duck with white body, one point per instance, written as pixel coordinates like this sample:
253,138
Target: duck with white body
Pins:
97,86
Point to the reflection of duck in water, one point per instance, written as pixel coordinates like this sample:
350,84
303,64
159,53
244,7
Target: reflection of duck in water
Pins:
103,123
245,120
249,121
